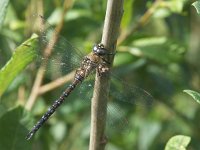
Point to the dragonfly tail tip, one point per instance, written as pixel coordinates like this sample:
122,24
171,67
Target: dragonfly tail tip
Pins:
29,136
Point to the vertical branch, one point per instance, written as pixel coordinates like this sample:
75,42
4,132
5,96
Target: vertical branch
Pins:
112,21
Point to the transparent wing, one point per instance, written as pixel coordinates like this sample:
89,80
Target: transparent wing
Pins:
85,90
62,56
123,98
133,95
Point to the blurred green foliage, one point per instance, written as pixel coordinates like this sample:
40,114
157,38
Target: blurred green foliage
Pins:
159,53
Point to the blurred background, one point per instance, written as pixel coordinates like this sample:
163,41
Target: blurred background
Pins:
158,51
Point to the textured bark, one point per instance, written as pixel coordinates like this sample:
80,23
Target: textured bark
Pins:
112,21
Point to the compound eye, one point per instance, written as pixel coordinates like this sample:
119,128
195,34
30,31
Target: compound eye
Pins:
95,48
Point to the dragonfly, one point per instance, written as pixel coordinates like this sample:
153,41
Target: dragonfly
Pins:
85,67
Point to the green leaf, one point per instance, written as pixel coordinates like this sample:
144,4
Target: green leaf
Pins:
23,55
157,48
195,95
127,16
178,142
175,6
122,59
12,128
197,6
2,110
3,6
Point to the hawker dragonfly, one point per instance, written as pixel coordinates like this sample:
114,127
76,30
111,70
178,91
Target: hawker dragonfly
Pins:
70,58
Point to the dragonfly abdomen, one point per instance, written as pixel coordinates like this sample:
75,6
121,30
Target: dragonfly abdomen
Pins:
53,108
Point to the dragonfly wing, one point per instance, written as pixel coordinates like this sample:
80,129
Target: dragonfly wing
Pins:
63,56
133,95
122,100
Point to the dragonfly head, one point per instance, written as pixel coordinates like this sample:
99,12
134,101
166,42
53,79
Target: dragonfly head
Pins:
100,50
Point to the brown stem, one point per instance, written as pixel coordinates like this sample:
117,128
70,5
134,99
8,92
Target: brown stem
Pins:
113,16
56,83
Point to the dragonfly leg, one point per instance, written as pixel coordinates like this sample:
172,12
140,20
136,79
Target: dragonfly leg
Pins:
102,69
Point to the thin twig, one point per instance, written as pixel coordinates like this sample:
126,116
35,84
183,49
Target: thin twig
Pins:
99,102
142,22
56,83
47,53
21,95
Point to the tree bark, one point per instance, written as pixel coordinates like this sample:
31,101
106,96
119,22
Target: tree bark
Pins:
112,21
